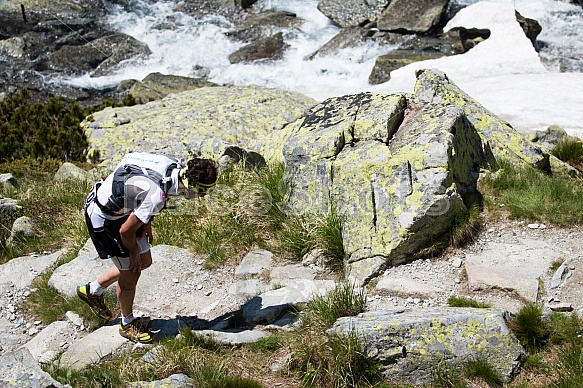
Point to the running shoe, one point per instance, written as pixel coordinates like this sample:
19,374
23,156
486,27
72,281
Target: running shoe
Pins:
95,302
136,332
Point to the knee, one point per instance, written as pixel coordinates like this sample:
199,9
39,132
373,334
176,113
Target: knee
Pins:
128,283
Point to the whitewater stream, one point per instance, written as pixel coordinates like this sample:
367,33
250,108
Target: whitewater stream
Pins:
182,45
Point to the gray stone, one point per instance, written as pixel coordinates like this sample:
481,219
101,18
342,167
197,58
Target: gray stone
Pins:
269,306
561,307
315,257
27,268
22,228
247,289
410,342
47,344
87,266
178,380
181,120
550,137
72,172
8,180
9,208
233,337
510,267
560,275
156,294
412,16
289,274
91,348
98,56
254,264
352,13
19,369
12,47
268,48
406,286
259,25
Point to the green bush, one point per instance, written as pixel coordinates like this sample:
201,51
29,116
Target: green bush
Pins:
41,130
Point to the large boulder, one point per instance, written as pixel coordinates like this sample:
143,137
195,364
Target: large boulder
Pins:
498,136
259,25
412,16
411,343
352,13
183,121
399,168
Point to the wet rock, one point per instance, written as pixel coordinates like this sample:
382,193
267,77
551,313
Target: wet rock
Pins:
197,8
420,48
352,13
260,25
98,56
268,48
417,16
531,27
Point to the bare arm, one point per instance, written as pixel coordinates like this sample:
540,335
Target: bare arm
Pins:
128,237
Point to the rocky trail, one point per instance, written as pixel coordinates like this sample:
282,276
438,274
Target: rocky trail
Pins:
510,263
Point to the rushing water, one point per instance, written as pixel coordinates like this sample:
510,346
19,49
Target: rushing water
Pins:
183,45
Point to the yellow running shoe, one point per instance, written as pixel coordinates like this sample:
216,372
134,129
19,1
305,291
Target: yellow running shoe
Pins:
95,302
135,332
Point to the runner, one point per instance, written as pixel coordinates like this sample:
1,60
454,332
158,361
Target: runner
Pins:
119,212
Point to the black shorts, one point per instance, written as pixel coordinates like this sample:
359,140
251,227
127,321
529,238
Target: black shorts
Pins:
107,240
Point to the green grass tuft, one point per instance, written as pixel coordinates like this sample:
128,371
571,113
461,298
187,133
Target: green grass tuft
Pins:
530,194
458,301
570,150
529,327
481,369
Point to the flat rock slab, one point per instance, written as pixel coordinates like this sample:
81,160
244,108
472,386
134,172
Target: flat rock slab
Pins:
406,286
47,344
233,337
12,336
267,307
87,266
511,266
175,380
91,348
254,264
27,268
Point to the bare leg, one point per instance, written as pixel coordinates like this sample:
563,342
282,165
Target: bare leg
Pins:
126,285
109,277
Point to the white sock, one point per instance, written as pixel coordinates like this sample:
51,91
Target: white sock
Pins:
96,289
127,320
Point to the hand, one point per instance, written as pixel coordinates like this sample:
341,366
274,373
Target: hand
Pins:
136,263
147,231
